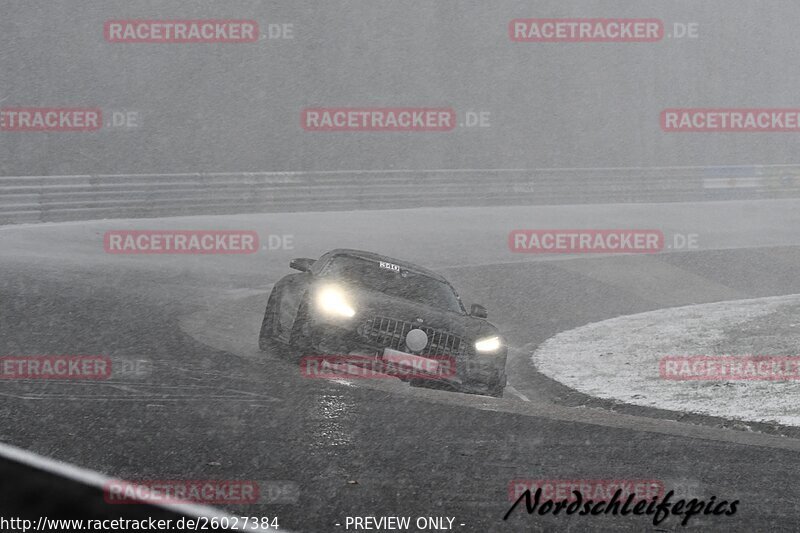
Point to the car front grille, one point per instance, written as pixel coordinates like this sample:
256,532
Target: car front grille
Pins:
390,333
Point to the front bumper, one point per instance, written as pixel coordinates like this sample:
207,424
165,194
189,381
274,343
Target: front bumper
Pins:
359,337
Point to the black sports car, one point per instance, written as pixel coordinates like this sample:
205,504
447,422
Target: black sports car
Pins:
362,304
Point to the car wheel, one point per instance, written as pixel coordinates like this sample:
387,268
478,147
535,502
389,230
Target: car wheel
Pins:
300,342
496,390
430,384
270,326
486,388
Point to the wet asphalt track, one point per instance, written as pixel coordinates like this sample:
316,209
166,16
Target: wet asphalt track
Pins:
358,450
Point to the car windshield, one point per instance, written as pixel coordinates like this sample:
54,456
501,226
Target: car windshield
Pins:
391,279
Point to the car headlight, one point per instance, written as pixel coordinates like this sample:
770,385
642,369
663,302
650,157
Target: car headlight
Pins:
332,300
489,344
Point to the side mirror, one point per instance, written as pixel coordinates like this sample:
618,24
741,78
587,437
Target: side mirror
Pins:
303,264
478,311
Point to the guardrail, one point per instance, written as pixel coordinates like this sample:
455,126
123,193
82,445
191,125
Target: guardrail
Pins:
80,197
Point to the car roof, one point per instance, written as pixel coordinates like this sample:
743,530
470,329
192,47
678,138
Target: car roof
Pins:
378,257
